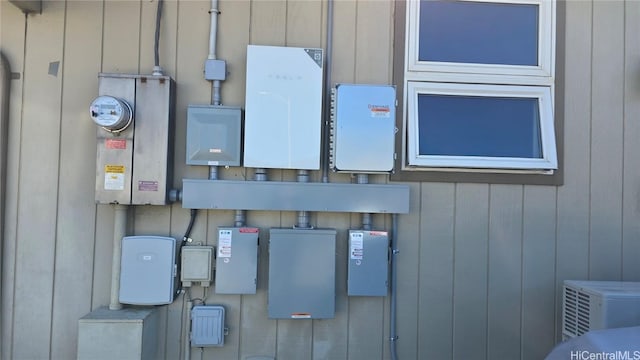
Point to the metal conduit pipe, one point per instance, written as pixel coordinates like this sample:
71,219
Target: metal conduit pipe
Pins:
393,337
213,172
327,93
239,219
260,174
216,99
303,216
366,217
5,85
119,231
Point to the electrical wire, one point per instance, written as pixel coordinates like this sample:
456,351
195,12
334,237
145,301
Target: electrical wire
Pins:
194,213
156,46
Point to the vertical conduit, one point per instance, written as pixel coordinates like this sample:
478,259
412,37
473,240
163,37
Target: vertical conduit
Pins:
213,33
5,84
366,217
119,231
216,99
303,216
393,337
327,93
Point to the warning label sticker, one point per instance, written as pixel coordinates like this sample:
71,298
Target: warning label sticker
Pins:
146,185
116,144
356,249
301,316
114,177
118,169
224,244
377,111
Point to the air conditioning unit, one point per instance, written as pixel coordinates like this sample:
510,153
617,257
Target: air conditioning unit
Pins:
593,305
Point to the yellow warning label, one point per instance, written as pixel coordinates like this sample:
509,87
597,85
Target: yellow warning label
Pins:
117,169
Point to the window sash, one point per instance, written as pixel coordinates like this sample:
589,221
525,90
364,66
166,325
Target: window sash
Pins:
547,131
546,47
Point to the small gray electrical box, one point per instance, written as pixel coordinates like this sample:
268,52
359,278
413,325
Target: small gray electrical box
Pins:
148,270
302,273
237,260
207,326
196,265
215,69
368,273
363,128
213,135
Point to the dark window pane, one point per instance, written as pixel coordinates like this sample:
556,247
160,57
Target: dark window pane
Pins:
478,32
479,126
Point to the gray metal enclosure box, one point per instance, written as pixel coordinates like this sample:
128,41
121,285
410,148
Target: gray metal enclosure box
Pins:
237,260
363,126
148,270
207,326
130,333
213,135
368,272
136,166
302,273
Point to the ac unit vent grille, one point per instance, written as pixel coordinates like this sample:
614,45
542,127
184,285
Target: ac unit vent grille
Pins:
576,312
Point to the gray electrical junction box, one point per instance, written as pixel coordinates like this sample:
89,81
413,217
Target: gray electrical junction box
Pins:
214,135
207,325
237,260
363,124
368,272
148,270
302,273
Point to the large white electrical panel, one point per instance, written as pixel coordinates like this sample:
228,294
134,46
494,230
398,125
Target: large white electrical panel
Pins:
283,111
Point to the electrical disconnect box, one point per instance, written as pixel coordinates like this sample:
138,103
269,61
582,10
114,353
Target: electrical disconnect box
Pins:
368,272
283,107
302,273
207,326
135,143
213,135
196,265
237,260
363,128
148,270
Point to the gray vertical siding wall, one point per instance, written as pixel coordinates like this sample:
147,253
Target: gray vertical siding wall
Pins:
480,265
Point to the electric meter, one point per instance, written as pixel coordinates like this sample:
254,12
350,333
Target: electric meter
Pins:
111,113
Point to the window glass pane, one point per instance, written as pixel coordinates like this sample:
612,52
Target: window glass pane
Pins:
479,126
478,32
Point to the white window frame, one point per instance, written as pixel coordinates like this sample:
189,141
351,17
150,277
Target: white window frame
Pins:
543,94
481,79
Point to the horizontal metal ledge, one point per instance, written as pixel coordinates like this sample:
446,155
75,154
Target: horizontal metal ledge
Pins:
294,196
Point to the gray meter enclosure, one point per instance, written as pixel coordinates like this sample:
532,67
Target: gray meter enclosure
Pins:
134,167
214,135
237,260
302,273
363,128
148,270
368,271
